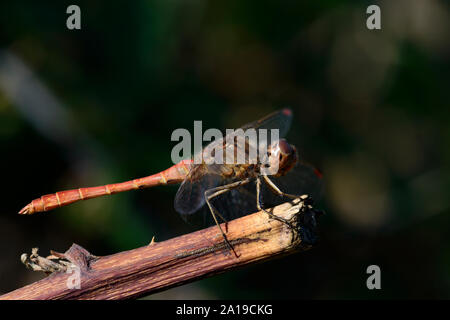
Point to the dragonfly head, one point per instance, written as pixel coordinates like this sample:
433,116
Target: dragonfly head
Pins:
282,156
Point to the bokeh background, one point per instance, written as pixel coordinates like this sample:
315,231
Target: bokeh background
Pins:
98,105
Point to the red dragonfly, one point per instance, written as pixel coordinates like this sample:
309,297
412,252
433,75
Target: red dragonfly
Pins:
204,181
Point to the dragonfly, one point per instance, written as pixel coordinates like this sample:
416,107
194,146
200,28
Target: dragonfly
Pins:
205,180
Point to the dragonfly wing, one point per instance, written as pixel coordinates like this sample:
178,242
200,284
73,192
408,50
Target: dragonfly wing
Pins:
190,196
233,204
237,202
302,179
246,148
280,120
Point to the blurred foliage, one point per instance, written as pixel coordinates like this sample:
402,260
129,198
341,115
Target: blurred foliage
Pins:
370,107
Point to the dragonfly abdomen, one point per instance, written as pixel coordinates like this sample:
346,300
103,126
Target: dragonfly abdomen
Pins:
175,174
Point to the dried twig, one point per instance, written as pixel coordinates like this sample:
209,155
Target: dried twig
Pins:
77,274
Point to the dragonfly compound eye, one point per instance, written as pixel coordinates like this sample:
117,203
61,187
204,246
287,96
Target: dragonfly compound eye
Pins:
285,147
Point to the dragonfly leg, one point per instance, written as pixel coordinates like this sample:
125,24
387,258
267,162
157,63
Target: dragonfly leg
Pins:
214,212
214,192
211,207
276,190
260,207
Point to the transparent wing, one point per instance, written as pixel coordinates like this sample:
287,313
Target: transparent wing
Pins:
280,120
190,196
302,179
238,202
231,205
244,148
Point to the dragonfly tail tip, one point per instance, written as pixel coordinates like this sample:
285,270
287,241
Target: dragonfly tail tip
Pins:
28,209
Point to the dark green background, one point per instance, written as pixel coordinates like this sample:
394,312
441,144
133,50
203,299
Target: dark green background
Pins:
370,108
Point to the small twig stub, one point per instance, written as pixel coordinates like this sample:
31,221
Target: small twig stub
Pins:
49,264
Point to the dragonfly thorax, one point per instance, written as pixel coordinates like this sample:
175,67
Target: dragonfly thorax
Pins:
281,158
